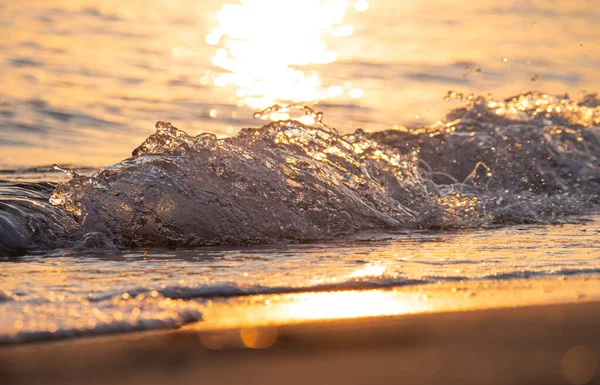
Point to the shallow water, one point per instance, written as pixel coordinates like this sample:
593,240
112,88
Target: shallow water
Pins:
69,293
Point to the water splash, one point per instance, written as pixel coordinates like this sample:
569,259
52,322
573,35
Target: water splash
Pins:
28,220
537,105
283,181
487,163
68,171
310,115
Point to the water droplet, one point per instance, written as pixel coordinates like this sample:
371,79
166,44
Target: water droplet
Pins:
66,170
163,127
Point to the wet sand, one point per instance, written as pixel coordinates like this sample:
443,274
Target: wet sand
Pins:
549,344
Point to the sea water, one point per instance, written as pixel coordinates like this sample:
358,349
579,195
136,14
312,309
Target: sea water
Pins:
438,186
87,255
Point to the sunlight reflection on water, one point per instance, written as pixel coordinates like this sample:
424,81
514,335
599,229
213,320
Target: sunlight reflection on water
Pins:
410,273
83,81
264,45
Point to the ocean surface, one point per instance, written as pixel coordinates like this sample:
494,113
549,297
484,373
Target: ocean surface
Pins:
84,81
216,151
70,293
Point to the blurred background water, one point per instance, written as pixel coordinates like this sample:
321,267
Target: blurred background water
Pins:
83,81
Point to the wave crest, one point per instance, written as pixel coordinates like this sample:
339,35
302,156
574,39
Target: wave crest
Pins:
531,158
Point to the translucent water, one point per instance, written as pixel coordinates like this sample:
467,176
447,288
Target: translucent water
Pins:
489,163
379,198
70,293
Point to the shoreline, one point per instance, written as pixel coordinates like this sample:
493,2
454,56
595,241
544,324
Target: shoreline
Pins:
545,343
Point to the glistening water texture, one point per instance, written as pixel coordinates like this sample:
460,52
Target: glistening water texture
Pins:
66,294
532,158
439,202
82,80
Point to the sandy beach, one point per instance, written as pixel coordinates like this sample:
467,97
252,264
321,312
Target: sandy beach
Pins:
519,344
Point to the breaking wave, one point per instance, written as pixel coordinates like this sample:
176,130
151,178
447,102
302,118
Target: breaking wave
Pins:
530,158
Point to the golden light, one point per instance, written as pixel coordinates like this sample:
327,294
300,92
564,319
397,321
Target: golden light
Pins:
258,338
348,304
263,45
371,270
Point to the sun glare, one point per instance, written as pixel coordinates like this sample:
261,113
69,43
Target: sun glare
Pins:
349,304
263,46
